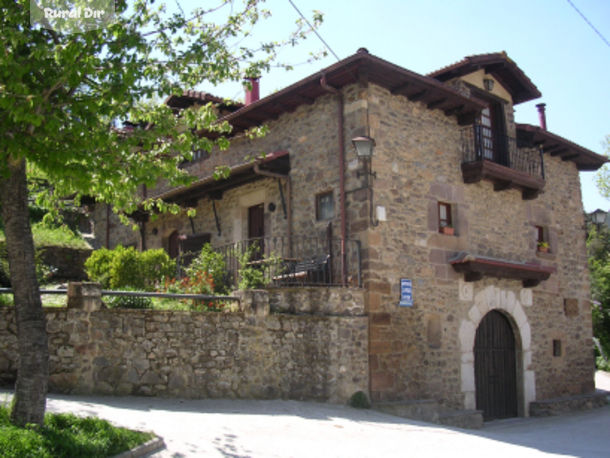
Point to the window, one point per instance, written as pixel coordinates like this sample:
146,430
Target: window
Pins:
556,348
445,221
542,242
325,206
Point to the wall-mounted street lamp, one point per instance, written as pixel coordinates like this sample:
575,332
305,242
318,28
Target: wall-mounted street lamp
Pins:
363,146
488,84
599,216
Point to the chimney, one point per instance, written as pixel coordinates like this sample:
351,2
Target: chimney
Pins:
253,95
542,115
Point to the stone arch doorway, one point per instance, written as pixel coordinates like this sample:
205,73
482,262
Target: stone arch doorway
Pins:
511,305
495,367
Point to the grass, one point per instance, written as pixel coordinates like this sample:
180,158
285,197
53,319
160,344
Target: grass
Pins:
54,236
66,436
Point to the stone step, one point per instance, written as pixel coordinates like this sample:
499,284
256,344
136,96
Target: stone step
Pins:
467,419
568,404
418,409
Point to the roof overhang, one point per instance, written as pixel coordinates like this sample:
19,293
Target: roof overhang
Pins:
190,98
501,67
239,175
475,268
556,146
361,68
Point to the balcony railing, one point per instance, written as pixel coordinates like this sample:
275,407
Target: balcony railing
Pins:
506,161
294,261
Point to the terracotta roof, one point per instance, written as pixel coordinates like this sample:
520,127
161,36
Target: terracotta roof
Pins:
188,98
239,175
361,68
554,145
501,67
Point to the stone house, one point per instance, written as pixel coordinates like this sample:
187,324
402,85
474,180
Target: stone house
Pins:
465,229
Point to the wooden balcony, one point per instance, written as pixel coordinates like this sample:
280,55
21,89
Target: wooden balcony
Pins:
505,161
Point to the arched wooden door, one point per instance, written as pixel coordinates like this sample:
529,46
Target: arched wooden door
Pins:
495,367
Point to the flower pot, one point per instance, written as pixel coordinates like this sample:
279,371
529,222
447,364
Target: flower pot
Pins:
448,230
544,249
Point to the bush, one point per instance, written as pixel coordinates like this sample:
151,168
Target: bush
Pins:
256,275
196,284
129,302
359,401
212,264
126,267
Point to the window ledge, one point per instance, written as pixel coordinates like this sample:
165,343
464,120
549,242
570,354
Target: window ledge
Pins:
547,255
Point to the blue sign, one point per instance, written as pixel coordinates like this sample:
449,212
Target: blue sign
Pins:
406,293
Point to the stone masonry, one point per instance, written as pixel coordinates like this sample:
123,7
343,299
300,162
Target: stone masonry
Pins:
197,354
424,351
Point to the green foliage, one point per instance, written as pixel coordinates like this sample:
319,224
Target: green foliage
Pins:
359,401
211,263
61,93
199,283
6,300
127,267
128,302
62,235
65,436
598,244
255,273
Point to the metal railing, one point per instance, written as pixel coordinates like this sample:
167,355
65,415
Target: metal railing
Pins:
482,143
294,261
139,294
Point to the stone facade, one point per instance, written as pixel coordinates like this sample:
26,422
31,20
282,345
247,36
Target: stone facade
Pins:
417,162
425,351
198,355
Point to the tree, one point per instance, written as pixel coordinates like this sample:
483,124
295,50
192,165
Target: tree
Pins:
598,247
60,95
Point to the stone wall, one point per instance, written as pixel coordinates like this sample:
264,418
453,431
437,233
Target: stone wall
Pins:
198,355
317,301
418,352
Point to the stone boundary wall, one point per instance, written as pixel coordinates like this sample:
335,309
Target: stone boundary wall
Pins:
198,354
317,300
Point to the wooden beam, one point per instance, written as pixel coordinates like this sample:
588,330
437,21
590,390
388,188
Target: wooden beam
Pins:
216,195
302,99
436,103
559,152
473,276
502,185
363,76
454,111
548,149
492,68
468,118
400,90
570,157
418,95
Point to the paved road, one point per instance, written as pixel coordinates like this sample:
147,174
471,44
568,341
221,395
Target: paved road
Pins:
253,429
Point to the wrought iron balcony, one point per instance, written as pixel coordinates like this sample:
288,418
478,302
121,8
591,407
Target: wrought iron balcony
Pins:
507,162
291,261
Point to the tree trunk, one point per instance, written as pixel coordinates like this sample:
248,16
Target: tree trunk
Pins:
30,397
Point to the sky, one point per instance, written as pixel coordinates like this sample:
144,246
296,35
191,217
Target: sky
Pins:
548,39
